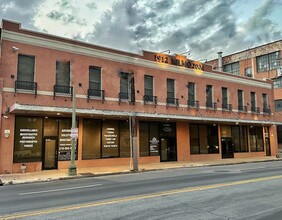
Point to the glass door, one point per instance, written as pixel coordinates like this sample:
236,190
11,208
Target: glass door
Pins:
168,149
227,148
50,160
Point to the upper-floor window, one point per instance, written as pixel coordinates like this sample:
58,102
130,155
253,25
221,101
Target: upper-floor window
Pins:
191,94
170,83
63,73
240,99
95,82
232,68
224,92
277,82
148,88
95,77
127,89
248,72
253,101
25,68
268,62
278,105
265,102
209,100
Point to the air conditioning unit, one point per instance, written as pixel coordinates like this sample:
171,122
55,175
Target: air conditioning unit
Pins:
279,72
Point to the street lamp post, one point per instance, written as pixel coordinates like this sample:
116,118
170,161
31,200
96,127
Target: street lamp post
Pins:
72,166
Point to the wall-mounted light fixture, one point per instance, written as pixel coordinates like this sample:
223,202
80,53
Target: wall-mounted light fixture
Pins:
186,52
168,51
15,49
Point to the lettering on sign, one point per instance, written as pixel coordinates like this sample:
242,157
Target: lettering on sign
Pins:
110,138
28,137
178,62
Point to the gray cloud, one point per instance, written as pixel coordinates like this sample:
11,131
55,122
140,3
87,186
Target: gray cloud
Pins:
20,11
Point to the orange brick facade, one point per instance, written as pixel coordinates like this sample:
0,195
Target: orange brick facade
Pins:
174,121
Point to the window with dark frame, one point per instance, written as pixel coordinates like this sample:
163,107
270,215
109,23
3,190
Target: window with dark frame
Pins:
265,103
267,62
63,73
148,88
124,85
240,138
224,93
203,139
253,101
191,94
209,100
95,81
25,68
240,100
170,91
233,68
256,139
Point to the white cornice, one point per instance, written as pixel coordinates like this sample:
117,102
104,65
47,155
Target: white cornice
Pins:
81,50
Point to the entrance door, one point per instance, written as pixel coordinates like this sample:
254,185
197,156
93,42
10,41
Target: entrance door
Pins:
227,148
168,149
50,153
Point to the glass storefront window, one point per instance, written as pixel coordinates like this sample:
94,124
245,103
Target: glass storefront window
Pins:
28,139
110,139
144,139
256,139
91,139
124,139
203,139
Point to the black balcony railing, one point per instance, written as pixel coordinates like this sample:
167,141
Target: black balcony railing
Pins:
242,108
211,105
255,109
26,87
266,111
96,94
193,104
150,99
63,91
172,102
226,107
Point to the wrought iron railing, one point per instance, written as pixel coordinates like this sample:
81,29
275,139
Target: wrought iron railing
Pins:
95,93
211,105
172,101
226,107
150,99
63,90
193,104
26,87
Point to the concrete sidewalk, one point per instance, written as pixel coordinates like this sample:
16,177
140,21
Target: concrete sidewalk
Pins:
51,175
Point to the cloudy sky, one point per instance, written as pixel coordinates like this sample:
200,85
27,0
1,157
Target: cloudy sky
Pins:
203,27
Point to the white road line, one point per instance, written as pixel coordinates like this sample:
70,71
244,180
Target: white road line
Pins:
57,190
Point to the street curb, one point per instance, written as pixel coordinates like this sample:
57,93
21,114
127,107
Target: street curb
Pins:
79,176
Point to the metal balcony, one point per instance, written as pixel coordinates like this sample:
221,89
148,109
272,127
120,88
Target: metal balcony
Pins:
95,94
172,102
193,104
63,91
26,87
150,99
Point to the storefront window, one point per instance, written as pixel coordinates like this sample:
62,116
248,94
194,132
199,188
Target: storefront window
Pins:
91,139
256,139
110,139
240,139
203,139
65,140
144,139
28,139
124,139
149,138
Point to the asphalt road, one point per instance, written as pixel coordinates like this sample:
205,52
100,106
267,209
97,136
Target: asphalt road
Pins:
252,191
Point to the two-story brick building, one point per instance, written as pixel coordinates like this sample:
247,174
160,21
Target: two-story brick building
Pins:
183,110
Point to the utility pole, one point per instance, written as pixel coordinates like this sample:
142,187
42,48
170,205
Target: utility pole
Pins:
74,133
134,143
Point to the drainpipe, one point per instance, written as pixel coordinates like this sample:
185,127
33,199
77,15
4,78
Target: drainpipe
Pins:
219,60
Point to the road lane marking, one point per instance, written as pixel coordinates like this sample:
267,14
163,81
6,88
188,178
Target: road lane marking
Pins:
134,198
57,190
